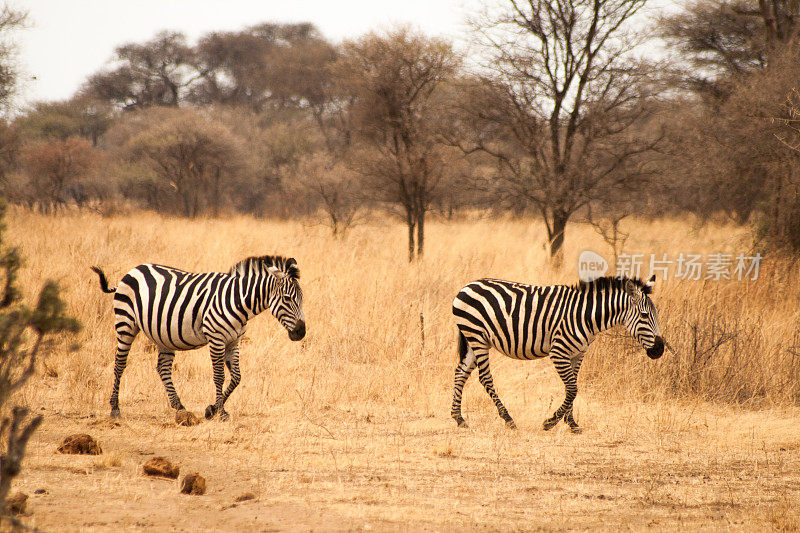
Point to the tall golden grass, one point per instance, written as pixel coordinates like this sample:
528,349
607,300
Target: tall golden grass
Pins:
350,428
731,341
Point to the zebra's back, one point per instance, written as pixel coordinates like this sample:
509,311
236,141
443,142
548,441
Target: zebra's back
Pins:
167,304
515,318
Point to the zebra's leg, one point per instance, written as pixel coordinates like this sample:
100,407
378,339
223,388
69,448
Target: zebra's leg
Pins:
466,364
485,377
164,368
576,366
218,365
126,333
562,360
232,362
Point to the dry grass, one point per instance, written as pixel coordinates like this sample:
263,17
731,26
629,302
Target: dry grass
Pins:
350,428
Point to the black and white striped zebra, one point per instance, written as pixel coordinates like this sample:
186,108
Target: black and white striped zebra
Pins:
525,322
181,310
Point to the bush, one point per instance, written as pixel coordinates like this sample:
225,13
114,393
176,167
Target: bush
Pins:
22,333
54,169
191,156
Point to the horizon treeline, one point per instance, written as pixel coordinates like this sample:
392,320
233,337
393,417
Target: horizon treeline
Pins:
561,114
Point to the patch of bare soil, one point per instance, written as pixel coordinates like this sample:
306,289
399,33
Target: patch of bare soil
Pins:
401,470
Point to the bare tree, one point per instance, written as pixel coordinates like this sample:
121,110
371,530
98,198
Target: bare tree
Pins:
717,45
61,120
722,41
396,83
195,156
758,121
156,73
608,225
233,66
53,168
10,21
728,156
559,102
335,186
267,65
10,145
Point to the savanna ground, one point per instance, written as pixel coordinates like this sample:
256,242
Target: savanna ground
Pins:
350,428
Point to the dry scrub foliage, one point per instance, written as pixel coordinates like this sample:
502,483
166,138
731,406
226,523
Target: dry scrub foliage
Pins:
731,342
23,332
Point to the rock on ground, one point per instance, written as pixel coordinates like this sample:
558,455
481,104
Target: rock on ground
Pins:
16,503
193,484
186,418
161,467
80,443
245,496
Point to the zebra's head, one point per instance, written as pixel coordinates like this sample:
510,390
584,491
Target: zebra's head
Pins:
286,297
641,318
274,283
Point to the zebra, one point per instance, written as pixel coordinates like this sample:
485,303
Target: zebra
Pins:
180,310
525,322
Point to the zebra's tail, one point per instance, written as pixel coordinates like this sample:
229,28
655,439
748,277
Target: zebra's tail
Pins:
463,348
103,281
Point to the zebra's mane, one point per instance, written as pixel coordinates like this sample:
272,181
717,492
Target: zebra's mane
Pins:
612,282
255,263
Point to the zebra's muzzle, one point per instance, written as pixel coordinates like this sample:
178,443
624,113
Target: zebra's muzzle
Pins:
657,349
298,332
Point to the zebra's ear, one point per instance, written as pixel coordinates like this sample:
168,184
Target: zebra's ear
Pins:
632,290
291,268
277,272
651,282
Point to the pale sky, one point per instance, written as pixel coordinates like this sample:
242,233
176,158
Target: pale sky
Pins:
67,40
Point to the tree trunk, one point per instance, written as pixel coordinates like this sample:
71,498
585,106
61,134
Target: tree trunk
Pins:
216,193
556,236
420,232
186,202
769,21
334,223
410,223
778,227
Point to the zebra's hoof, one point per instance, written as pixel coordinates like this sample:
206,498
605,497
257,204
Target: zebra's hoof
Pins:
115,413
461,422
211,410
576,430
224,416
550,423
510,424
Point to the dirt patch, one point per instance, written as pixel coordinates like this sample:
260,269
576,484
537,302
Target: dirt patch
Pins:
275,475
